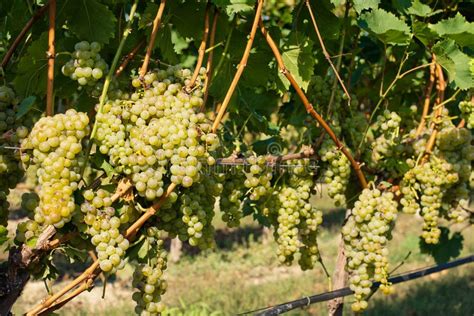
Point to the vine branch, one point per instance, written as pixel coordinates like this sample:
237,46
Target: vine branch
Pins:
201,50
51,58
441,86
151,44
309,107
129,57
38,14
427,99
240,67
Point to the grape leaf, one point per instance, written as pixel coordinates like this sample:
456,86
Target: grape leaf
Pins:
451,58
25,106
361,5
419,9
447,247
32,68
424,33
456,28
148,15
3,234
386,26
188,19
74,254
100,161
90,20
235,6
297,53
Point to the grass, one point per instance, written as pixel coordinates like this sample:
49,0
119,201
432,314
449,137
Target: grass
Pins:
243,275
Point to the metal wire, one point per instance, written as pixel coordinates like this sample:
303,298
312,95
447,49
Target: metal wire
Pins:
308,300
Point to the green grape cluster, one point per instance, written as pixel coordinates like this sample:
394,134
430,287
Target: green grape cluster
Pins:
86,67
197,207
429,181
12,132
233,193
296,221
386,144
454,145
337,173
258,178
158,133
467,112
148,278
103,226
366,233
56,146
193,212
28,229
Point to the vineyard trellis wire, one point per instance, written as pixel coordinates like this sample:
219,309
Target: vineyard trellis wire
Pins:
323,297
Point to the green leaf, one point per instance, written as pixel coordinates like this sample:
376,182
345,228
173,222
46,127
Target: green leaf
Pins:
3,234
143,249
147,17
235,6
386,26
447,248
269,146
74,254
90,20
32,242
32,68
297,53
456,28
451,58
419,9
424,33
25,106
361,5
100,161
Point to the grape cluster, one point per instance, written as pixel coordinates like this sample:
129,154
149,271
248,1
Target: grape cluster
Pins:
233,193
296,221
258,177
337,173
11,133
366,233
467,112
87,66
441,185
454,145
387,143
148,278
158,133
190,218
103,226
55,143
430,180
